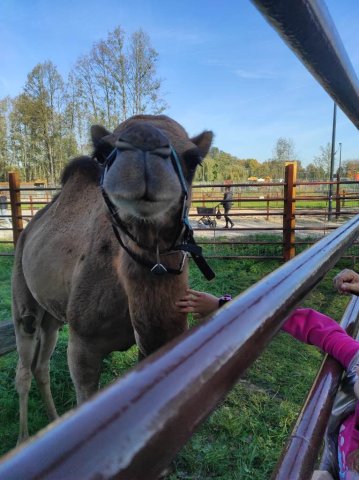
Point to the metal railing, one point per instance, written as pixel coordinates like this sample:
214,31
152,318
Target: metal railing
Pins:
308,29
135,427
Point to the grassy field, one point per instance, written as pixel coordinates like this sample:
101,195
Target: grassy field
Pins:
243,438
5,284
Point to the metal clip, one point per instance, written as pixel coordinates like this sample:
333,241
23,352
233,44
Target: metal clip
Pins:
158,269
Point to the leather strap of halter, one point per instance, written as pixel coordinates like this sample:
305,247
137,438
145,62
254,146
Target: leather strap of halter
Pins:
161,269
189,245
188,242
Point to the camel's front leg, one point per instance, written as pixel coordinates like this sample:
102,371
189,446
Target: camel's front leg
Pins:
40,365
85,366
26,328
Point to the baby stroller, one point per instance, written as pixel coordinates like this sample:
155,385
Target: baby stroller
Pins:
207,213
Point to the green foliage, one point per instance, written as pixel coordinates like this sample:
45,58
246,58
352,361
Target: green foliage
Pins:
5,287
49,121
220,166
244,436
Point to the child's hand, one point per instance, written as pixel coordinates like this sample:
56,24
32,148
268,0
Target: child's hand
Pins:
198,303
347,281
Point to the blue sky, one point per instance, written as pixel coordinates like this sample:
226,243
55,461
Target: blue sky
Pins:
223,67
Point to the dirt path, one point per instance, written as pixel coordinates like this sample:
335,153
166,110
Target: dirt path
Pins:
244,225
254,224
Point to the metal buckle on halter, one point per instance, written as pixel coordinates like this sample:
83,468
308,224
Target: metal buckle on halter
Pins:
184,256
159,269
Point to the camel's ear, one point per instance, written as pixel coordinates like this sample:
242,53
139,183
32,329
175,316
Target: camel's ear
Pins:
102,148
203,142
97,134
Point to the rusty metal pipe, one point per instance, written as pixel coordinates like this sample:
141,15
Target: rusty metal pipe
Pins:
307,28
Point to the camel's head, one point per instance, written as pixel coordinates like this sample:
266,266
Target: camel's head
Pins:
141,179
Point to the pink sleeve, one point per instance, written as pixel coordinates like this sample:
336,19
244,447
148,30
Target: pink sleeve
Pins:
315,328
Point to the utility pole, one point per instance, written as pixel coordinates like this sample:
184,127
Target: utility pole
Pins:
332,163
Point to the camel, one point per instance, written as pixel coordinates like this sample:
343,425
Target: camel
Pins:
107,255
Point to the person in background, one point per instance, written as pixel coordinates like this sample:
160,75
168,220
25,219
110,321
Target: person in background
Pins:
315,328
227,205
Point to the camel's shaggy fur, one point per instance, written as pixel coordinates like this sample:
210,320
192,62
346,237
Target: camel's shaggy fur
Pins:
70,268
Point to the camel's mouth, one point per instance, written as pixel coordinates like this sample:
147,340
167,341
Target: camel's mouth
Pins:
141,207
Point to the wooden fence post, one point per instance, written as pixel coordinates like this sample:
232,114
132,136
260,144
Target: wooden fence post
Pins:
337,198
31,206
15,202
289,211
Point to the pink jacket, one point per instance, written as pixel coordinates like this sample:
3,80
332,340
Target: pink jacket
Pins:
312,327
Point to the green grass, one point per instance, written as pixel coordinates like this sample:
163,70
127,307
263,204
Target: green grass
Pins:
6,264
260,201
243,438
254,249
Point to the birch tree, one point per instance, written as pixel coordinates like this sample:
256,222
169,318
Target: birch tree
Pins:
4,158
118,78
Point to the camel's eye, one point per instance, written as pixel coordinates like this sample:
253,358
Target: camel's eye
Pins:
192,158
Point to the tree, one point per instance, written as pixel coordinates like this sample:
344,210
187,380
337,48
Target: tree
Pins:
41,128
351,168
219,166
144,86
284,151
313,172
322,161
117,79
24,141
253,167
45,88
40,136
4,160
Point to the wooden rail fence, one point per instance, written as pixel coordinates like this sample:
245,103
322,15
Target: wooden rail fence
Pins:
289,212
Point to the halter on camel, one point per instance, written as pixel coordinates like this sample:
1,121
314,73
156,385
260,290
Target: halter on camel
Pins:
184,231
